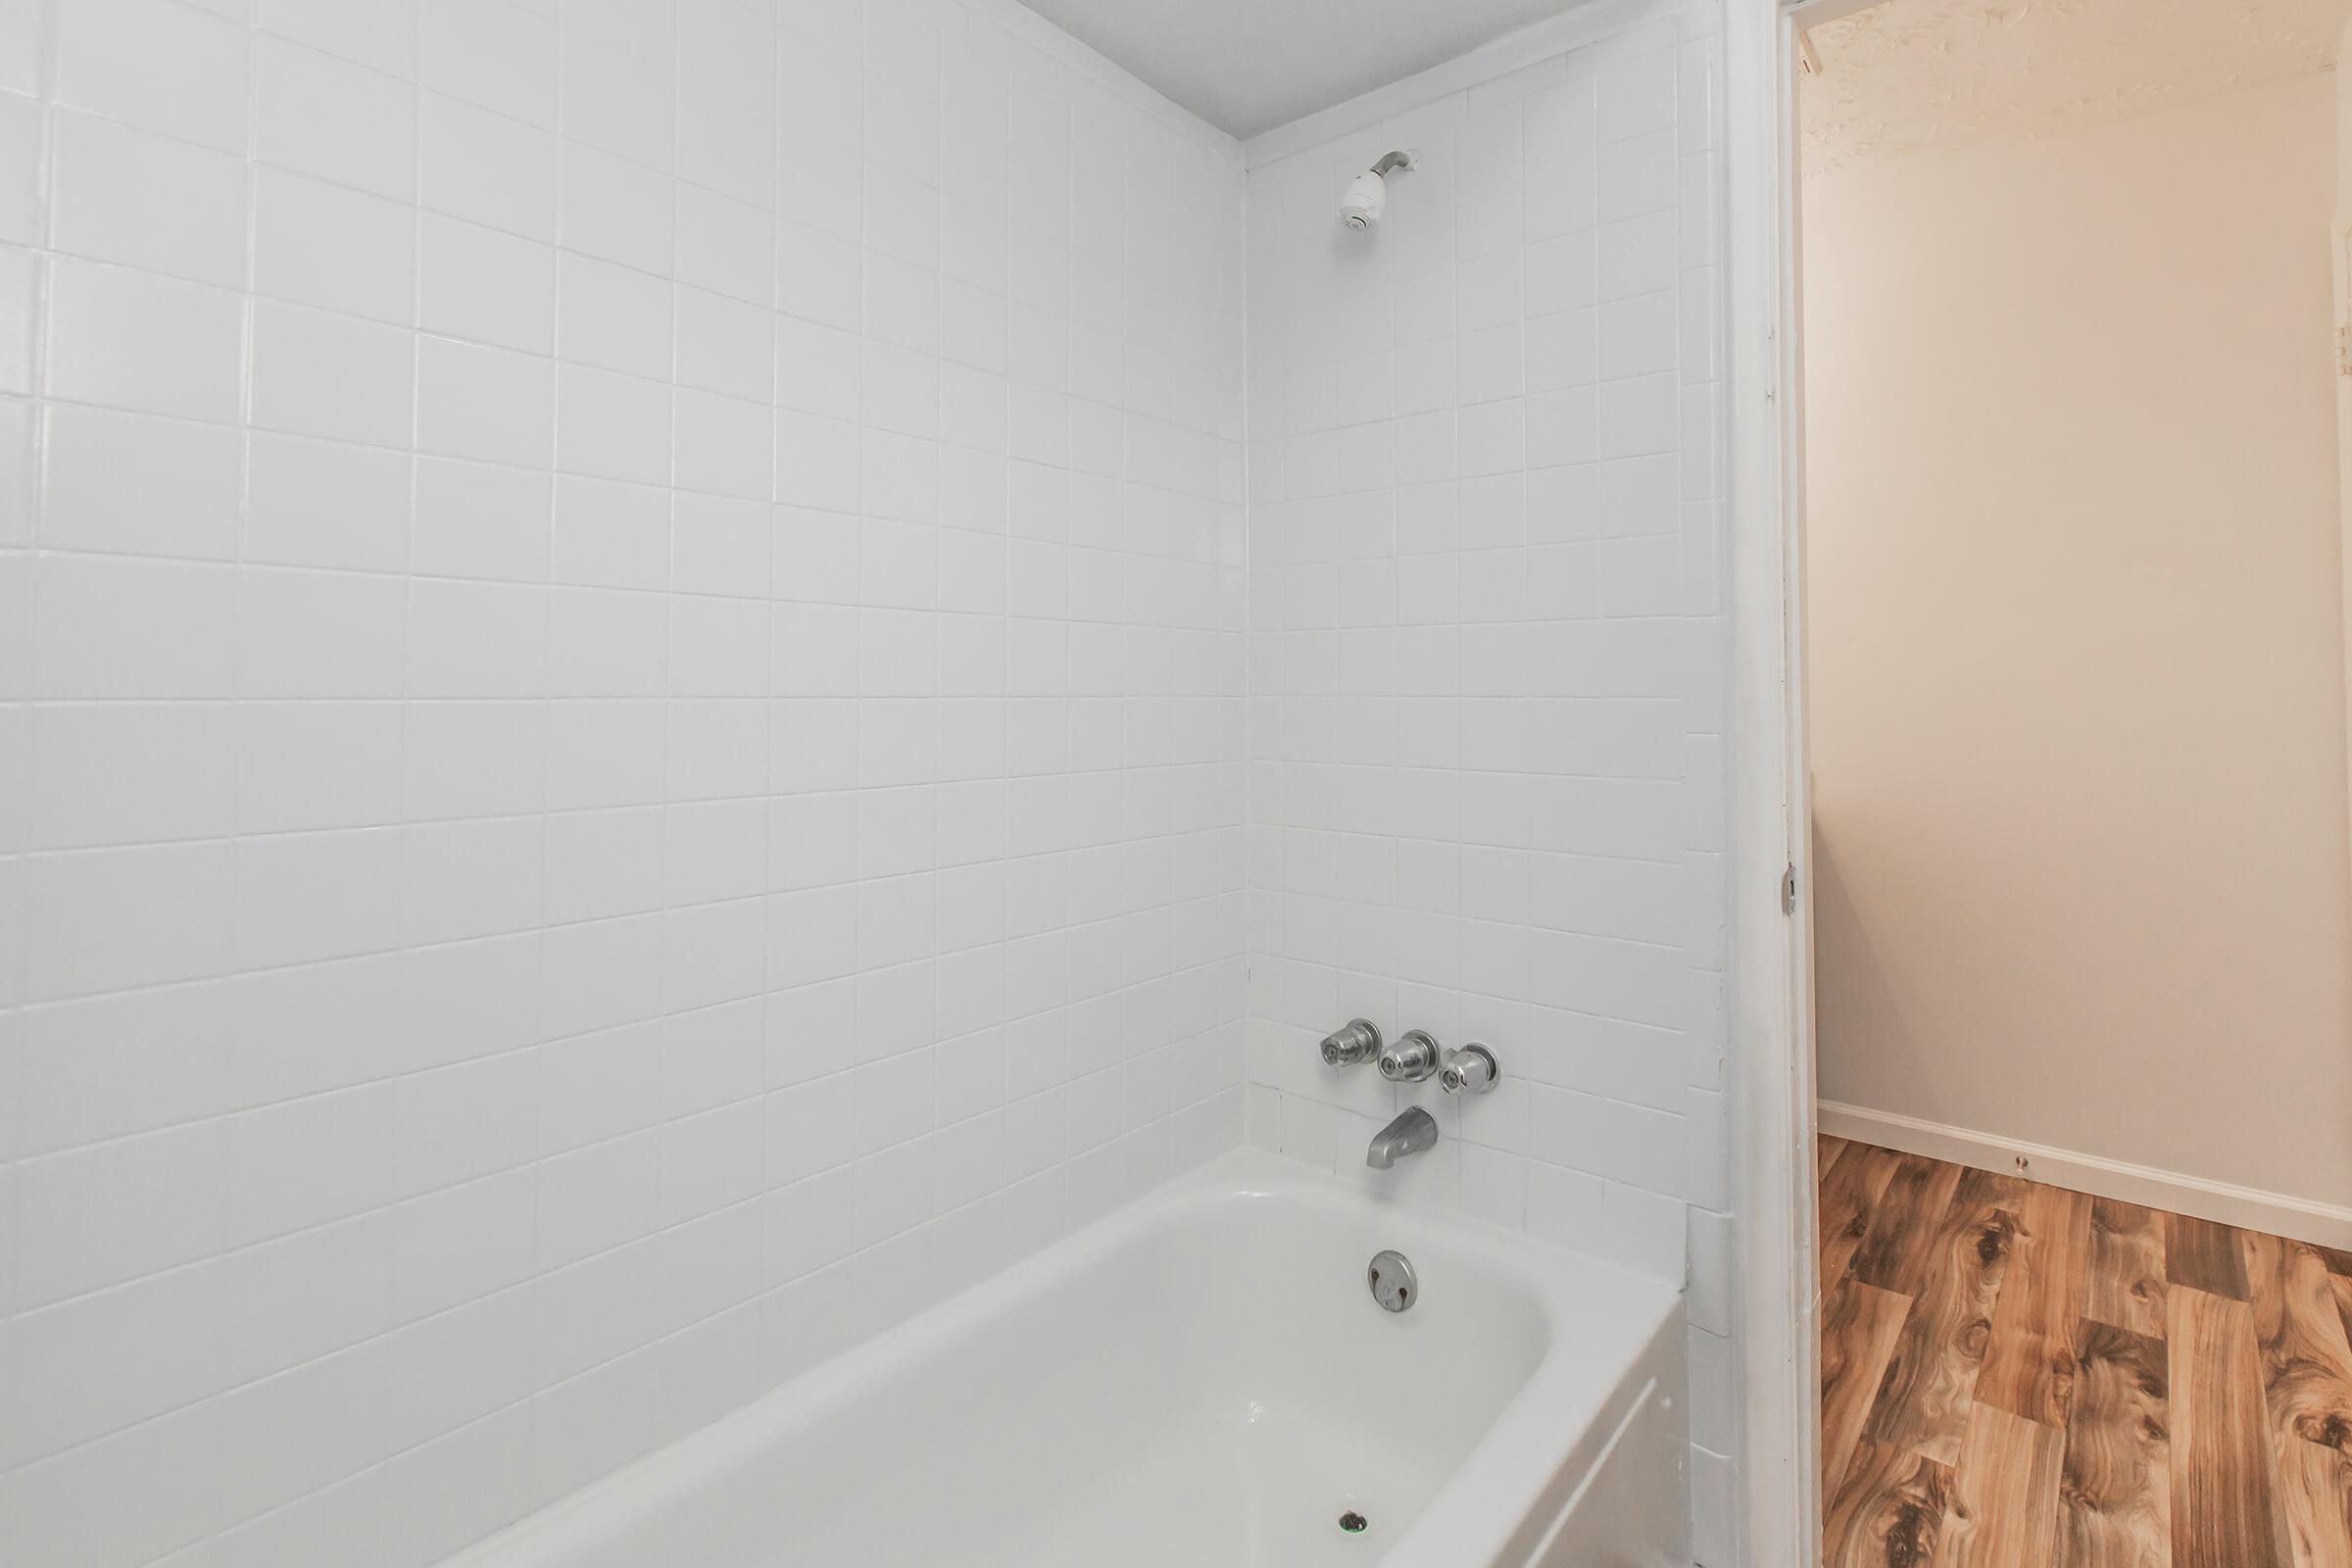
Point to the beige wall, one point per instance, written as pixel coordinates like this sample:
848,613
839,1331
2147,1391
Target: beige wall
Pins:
2077,671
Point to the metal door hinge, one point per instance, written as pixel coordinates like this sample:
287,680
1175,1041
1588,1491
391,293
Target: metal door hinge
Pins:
1808,59
1789,891
2343,351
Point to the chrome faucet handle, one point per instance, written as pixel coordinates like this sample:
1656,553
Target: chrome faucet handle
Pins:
1469,1071
1413,1058
1358,1042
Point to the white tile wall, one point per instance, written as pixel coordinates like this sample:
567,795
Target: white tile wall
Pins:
622,740
1487,658
621,726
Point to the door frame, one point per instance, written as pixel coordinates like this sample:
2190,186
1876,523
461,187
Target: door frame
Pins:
1770,1002
2340,271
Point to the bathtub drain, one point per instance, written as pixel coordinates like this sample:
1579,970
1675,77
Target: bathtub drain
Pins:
1353,1523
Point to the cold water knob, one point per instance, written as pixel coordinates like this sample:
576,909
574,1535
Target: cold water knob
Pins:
1469,1071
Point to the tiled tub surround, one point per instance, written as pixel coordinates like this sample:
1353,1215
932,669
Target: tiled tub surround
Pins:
624,751
621,726
1486,655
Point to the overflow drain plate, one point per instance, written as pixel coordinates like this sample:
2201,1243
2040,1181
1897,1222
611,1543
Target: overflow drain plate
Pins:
1392,1281
1353,1523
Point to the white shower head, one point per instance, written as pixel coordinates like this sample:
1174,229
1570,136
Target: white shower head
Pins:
1368,192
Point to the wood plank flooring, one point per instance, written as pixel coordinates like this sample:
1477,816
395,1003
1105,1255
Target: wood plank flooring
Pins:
2018,1376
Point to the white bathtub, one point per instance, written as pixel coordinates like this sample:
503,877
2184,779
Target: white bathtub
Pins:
1200,1380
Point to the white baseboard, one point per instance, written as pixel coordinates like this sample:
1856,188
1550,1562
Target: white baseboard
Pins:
2247,1207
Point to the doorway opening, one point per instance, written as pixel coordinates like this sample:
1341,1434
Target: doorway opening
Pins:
2067,291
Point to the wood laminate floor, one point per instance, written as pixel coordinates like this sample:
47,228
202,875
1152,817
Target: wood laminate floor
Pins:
2017,1376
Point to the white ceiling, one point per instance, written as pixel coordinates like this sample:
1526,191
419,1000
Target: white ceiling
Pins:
1247,66
1914,75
